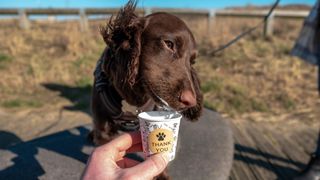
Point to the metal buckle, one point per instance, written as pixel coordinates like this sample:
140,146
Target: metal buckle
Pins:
128,125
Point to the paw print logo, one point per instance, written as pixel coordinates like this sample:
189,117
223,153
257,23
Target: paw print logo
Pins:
161,136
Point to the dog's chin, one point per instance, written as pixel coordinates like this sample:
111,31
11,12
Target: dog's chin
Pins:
192,114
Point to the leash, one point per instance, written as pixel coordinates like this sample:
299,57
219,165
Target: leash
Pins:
237,38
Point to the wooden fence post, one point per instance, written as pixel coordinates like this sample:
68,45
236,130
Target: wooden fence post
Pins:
268,26
23,19
211,16
83,20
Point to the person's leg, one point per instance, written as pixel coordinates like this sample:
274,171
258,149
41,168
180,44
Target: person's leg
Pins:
317,152
205,149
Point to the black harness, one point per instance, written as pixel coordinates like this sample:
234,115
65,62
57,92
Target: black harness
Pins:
111,99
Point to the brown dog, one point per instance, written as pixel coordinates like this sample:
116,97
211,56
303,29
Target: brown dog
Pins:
148,63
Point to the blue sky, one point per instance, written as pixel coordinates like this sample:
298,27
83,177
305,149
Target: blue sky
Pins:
206,4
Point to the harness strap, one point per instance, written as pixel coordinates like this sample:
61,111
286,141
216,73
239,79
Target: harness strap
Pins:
111,99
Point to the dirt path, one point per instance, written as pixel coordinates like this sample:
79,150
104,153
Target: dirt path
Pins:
23,125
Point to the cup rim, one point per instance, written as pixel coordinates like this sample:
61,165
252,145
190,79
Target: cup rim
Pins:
177,116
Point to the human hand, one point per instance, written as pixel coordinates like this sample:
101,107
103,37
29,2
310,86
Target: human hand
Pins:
108,161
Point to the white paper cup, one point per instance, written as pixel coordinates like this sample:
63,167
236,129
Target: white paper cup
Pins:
159,132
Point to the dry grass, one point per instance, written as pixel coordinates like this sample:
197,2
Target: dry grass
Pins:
255,75
57,53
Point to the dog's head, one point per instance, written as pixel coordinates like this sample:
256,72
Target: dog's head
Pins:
152,56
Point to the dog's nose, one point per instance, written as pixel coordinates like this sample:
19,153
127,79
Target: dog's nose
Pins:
187,98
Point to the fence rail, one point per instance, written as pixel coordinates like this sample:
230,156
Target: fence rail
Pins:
255,13
23,14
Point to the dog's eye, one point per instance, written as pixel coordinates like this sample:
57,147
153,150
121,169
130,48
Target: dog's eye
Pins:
169,44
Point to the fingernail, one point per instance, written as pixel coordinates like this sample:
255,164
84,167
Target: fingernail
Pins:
165,156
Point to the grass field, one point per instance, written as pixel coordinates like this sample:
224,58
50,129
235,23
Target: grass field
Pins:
256,78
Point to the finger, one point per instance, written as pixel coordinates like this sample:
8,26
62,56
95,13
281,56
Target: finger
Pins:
120,155
132,149
121,143
126,140
150,168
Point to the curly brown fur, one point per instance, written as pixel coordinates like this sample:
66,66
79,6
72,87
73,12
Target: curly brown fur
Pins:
123,37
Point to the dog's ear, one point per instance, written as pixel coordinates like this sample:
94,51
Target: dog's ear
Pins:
194,113
123,37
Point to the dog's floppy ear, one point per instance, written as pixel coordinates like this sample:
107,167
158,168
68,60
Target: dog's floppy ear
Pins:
123,37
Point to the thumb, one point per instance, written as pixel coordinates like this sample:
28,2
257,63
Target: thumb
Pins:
151,167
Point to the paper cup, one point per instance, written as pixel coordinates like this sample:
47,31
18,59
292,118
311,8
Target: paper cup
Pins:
159,132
